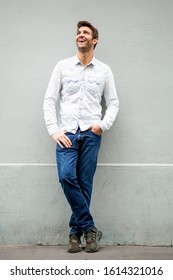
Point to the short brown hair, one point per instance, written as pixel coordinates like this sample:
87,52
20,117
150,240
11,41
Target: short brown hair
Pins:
88,24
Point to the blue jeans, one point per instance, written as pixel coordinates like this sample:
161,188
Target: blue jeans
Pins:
76,167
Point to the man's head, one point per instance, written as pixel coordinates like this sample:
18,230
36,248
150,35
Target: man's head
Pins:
87,36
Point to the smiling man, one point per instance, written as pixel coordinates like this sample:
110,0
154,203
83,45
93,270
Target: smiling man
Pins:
77,86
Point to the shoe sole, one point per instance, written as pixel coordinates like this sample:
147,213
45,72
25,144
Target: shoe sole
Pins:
77,250
98,238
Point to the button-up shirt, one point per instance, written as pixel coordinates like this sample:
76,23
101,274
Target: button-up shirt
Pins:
74,94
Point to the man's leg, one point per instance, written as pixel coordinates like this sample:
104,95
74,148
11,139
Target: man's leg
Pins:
67,159
88,148
87,162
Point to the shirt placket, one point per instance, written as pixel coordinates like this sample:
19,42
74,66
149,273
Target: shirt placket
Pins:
82,93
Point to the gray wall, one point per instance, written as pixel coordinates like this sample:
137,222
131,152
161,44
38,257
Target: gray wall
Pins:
133,189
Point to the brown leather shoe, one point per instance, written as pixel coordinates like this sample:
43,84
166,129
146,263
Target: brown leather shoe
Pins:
93,238
74,244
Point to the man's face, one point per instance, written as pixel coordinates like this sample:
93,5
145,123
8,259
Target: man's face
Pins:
84,39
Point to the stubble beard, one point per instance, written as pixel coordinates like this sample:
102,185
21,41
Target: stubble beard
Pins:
85,49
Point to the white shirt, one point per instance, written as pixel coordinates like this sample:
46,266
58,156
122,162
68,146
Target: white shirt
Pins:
74,94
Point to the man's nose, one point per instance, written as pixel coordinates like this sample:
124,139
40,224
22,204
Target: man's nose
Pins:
82,34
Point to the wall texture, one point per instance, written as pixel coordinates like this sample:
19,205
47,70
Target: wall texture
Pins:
132,200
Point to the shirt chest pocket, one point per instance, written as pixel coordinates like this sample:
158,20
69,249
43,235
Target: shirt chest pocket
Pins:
71,84
94,86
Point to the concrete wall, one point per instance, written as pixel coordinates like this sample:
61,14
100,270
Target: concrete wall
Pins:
132,200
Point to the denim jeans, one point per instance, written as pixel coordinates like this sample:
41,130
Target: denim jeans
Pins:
76,167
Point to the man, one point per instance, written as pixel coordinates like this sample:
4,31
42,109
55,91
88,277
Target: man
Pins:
77,85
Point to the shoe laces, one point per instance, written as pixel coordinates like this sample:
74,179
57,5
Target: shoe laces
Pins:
90,236
75,238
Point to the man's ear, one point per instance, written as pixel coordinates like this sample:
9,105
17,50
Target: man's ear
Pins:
95,41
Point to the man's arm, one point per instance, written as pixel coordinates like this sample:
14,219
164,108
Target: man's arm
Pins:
112,102
49,107
51,99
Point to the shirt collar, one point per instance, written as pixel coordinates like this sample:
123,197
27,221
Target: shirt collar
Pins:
77,61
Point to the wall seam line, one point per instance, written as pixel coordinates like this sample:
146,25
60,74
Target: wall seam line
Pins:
99,164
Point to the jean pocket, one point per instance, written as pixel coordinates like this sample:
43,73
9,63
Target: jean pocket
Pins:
60,149
95,133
